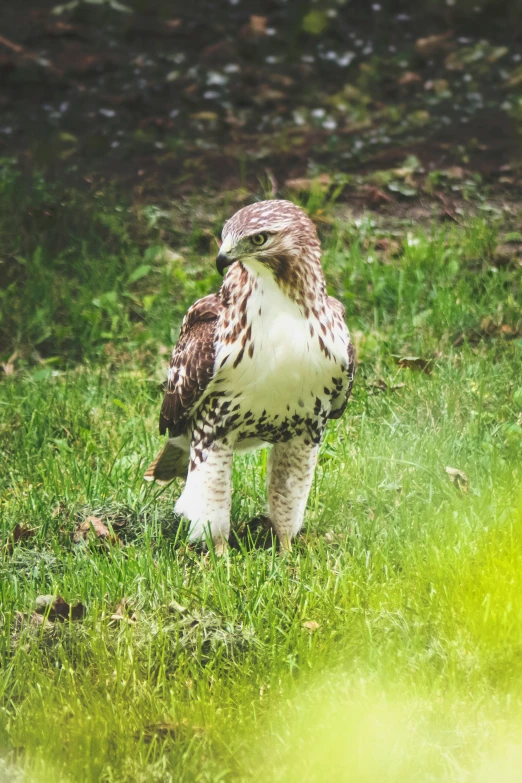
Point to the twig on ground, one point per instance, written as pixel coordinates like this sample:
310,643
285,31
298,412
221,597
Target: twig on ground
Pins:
42,61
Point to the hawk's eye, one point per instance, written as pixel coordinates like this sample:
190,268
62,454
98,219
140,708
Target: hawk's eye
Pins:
258,239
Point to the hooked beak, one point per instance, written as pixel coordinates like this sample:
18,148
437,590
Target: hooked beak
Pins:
222,261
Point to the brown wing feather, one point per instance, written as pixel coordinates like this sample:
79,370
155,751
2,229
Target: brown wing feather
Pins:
191,366
338,307
339,311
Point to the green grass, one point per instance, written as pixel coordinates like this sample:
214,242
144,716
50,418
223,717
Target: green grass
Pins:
414,669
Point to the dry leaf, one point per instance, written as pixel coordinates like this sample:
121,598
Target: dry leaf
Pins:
376,197
58,608
311,625
433,43
304,184
257,25
459,478
124,614
94,526
20,533
454,172
8,366
414,363
489,327
449,207
390,246
409,78
175,607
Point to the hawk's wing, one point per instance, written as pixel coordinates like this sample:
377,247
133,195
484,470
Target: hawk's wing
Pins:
339,314
192,364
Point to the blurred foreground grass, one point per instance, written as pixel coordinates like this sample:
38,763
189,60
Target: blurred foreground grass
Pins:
387,646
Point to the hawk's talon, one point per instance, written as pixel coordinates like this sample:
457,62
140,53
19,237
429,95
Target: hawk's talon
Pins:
220,546
286,543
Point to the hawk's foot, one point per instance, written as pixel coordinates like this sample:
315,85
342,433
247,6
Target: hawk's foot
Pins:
286,542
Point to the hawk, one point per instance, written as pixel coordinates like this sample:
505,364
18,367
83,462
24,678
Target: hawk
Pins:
266,360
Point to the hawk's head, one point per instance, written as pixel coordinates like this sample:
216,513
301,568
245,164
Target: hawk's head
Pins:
274,235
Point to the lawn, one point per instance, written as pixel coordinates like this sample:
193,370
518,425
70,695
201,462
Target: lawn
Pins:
388,645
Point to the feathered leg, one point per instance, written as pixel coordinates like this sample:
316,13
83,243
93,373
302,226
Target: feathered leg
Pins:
207,497
290,473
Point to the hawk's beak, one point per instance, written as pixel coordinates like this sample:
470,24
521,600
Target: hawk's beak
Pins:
222,261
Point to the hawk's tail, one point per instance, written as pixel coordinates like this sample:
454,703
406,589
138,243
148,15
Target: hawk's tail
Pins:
170,463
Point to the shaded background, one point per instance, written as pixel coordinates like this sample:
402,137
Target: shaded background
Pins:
184,96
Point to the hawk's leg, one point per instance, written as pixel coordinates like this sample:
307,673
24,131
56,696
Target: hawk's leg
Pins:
206,499
290,473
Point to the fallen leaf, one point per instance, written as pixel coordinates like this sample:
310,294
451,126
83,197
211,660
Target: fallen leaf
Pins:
304,184
221,50
375,197
509,331
311,625
433,44
454,172
20,533
449,208
258,24
8,366
330,536
94,526
409,78
414,363
256,27
459,478
175,607
390,246
58,608
490,327
124,614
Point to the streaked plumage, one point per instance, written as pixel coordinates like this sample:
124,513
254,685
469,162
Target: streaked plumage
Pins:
266,360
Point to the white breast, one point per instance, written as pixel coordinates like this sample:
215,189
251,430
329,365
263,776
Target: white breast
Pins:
287,367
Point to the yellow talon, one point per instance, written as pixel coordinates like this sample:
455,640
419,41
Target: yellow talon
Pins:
220,546
286,543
